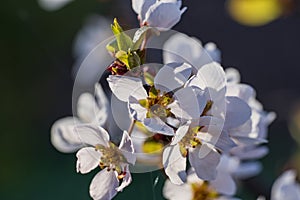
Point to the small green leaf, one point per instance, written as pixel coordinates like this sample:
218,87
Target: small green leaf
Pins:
123,40
112,46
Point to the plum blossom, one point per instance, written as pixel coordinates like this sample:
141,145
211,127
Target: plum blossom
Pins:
114,161
161,14
196,188
168,98
90,109
285,187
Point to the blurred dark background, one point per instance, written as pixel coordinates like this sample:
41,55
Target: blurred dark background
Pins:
36,89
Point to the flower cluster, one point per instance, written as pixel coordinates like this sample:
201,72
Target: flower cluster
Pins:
202,126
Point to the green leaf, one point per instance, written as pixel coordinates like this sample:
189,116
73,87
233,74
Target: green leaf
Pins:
123,40
112,46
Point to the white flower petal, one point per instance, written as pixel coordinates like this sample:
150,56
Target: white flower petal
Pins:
205,161
126,146
249,152
136,111
137,5
125,86
180,133
177,192
102,104
224,142
182,48
52,5
90,134
224,184
237,112
232,75
125,182
156,125
189,103
103,185
86,108
247,170
63,136
87,159
285,187
243,91
92,108
174,164
172,76
141,7
213,51
163,16
210,76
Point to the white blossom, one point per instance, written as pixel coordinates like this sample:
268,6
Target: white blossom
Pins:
196,188
202,156
168,97
161,14
285,187
114,161
90,109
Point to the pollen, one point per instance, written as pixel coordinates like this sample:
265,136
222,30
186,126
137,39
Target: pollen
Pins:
112,158
157,102
190,140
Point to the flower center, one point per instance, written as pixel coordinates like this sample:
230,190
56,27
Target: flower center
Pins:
112,157
190,140
202,191
156,103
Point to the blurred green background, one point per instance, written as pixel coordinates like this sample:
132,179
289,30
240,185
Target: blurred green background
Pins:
36,89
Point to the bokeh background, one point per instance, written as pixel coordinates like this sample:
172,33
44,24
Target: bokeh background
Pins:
36,48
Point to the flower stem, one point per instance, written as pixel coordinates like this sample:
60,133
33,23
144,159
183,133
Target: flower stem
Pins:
130,129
